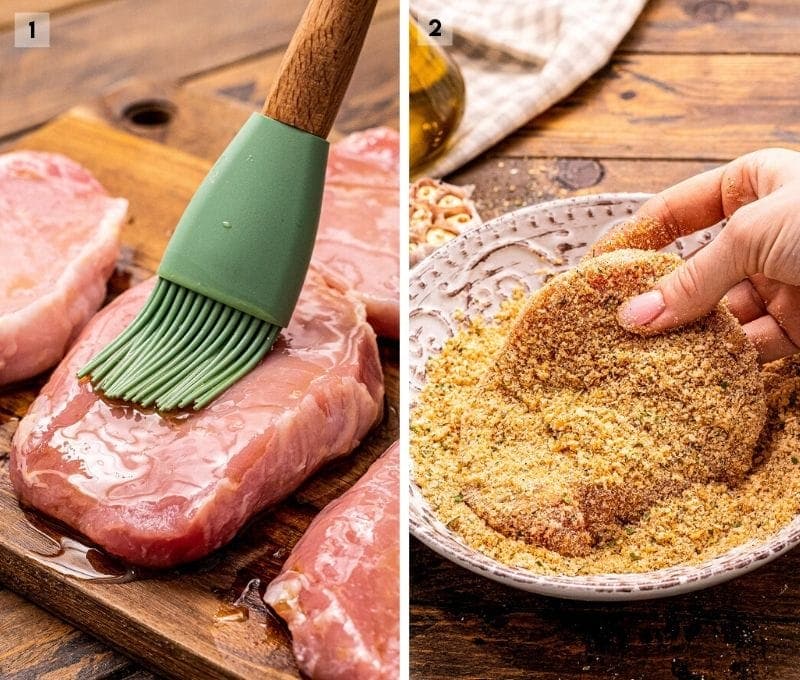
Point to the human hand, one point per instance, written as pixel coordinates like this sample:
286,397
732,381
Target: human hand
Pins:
755,259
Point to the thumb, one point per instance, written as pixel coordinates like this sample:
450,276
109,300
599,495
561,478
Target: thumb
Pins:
687,293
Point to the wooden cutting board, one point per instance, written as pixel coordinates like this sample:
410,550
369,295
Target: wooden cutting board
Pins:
180,623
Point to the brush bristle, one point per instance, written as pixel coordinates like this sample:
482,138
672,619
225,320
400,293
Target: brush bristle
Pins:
183,348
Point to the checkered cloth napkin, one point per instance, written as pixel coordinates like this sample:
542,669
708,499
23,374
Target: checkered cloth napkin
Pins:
519,57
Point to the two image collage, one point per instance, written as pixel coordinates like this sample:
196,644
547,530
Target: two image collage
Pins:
382,339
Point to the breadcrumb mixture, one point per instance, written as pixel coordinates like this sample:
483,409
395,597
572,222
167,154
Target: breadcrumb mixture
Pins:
644,233
586,439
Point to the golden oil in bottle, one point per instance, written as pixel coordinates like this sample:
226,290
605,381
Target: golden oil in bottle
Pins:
436,94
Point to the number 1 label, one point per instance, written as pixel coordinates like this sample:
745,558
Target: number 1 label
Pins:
32,29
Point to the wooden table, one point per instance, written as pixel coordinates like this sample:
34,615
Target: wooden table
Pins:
695,83
223,62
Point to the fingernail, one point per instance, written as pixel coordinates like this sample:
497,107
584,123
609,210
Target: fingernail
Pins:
641,310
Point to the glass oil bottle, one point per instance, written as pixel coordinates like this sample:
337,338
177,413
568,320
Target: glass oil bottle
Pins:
436,92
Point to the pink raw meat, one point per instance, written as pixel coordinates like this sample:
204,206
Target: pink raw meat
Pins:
339,589
59,239
358,243
160,490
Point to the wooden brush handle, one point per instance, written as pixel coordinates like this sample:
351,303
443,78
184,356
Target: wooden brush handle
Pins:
317,66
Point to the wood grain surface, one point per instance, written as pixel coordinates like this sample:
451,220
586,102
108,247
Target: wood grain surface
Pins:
716,26
504,183
98,44
168,621
372,99
316,67
200,124
10,7
465,626
733,103
694,83
38,646
107,42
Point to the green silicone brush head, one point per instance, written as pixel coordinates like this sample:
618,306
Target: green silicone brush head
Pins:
183,348
230,276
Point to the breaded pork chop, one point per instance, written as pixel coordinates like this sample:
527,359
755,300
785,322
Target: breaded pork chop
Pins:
580,425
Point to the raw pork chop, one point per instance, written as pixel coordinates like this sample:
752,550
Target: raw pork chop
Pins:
339,589
358,242
161,490
59,236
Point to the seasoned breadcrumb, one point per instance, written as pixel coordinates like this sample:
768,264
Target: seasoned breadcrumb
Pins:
581,425
603,504
644,233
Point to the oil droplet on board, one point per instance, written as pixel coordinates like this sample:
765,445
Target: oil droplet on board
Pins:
72,557
248,623
226,224
239,610
231,613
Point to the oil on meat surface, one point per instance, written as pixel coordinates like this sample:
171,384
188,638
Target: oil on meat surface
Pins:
339,589
160,490
358,241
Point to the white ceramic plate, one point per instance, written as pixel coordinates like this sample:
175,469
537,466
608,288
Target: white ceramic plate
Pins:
474,273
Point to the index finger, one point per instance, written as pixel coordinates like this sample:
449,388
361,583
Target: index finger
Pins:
695,203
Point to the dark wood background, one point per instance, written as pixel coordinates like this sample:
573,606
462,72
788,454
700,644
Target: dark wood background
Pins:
219,59
694,84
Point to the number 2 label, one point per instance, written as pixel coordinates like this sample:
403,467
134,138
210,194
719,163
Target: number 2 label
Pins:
435,28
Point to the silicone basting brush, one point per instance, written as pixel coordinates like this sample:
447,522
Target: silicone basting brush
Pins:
232,271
